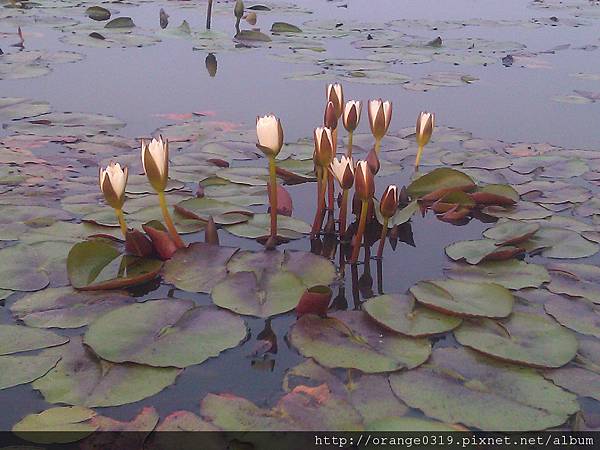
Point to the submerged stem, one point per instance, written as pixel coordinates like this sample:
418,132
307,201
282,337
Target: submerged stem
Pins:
383,236
168,221
343,214
273,195
361,230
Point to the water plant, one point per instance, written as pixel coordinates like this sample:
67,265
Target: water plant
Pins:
424,129
113,181
380,116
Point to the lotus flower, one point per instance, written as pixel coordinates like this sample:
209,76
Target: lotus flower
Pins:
113,181
424,129
387,207
155,159
270,140
380,115
364,185
343,171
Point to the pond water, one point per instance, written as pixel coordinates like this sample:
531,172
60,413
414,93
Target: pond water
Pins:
510,82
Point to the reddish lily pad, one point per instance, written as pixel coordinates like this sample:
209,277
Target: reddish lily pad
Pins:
304,408
81,378
98,264
523,338
459,386
165,333
350,339
399,313
463,298
199,267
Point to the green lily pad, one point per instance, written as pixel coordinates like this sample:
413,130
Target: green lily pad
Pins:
24,272
265,284
399,313
462,298
16,370
58,425
349,339
523,338
66,124
98,13
511,232
459,386
17,338
81,378
576,280
252,36
120,22
66,307
474,252
199,267
560,243
98,264
578,314
260,225
521,211
583,379
411,424
438,179
402,215
14,108
283,27
164,333
302,409
512,274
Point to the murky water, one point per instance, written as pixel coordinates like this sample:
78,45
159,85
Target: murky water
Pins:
141,85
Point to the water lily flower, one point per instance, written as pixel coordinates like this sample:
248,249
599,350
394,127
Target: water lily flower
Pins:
380,115
424,129
322,157
343,171
350,119
335,95
387,207
269,133
113,181
364,185
155,160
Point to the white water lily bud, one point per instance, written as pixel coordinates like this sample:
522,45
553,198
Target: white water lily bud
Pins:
270,135
380,116
113,181
155,159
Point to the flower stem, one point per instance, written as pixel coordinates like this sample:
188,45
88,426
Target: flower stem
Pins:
331,190
418,159
361,230
382,239
350,139
343,214
168,221
121,218
273,195
377,146
320,213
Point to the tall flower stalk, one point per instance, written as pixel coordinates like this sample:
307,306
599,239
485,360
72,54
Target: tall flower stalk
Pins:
155,160
424,129
380,115
364,185
113,181
270,141
387,207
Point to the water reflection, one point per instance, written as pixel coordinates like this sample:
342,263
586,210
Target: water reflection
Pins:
211,64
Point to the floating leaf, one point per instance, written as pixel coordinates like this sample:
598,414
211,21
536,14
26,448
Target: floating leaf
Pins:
120,22
511,232
458,386
560,243
576,280
13,108
98,264
350,339
66,307
302,409
411,424
98,13
17,338
283,27
463,298
523,338
511,274
198,267
16,370
221,212
399,313
81,378
58,425
480,250
24,273
401,216
252,36
438,180
578,314
164,333
260,225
